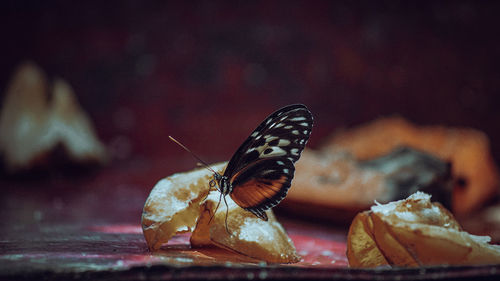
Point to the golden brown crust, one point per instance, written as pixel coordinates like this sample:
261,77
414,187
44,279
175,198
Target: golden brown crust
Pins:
179,203
362,251
248,234
467,149
414,232
173,206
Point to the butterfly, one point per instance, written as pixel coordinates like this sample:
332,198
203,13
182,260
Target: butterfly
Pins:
260,172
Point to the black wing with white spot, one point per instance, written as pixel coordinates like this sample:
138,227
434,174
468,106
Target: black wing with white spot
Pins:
261,170
283,134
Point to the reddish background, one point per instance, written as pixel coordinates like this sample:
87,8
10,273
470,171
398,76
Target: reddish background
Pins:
208,72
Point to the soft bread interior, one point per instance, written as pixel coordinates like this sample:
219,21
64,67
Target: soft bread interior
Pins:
179,203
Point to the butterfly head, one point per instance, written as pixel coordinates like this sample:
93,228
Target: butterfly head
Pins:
221,183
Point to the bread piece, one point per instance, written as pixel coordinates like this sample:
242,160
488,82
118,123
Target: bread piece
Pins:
173,206
335,186
69,125
467,149
32,124
248,235
415,232
179,203
23,118
361,247
334,180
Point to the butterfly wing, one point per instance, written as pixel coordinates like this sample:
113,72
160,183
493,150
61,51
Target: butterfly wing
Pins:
262,168
284,133
262,184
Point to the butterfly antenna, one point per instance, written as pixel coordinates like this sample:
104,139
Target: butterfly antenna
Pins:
192,153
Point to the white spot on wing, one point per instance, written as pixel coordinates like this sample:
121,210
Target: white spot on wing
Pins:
270,138
304,124
288,127
276,151
295,151
280,162
300,118
295,132
283,142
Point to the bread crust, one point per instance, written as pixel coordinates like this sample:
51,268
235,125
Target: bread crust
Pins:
179,203
415,232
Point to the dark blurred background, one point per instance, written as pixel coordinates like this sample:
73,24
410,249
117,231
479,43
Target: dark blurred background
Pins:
207,72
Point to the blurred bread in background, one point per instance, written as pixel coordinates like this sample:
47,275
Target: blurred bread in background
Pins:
389,159
33,124
468,151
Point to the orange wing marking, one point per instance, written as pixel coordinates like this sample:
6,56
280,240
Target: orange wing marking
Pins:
255,192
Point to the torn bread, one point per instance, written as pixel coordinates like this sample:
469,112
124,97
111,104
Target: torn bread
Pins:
415,232
181,203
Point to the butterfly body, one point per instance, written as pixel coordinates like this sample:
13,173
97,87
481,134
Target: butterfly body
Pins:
260,173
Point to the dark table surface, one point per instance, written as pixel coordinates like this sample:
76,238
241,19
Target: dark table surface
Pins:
69,224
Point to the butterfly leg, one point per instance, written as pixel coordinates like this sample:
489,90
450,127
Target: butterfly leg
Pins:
211,184
216,208
208,193
227,213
